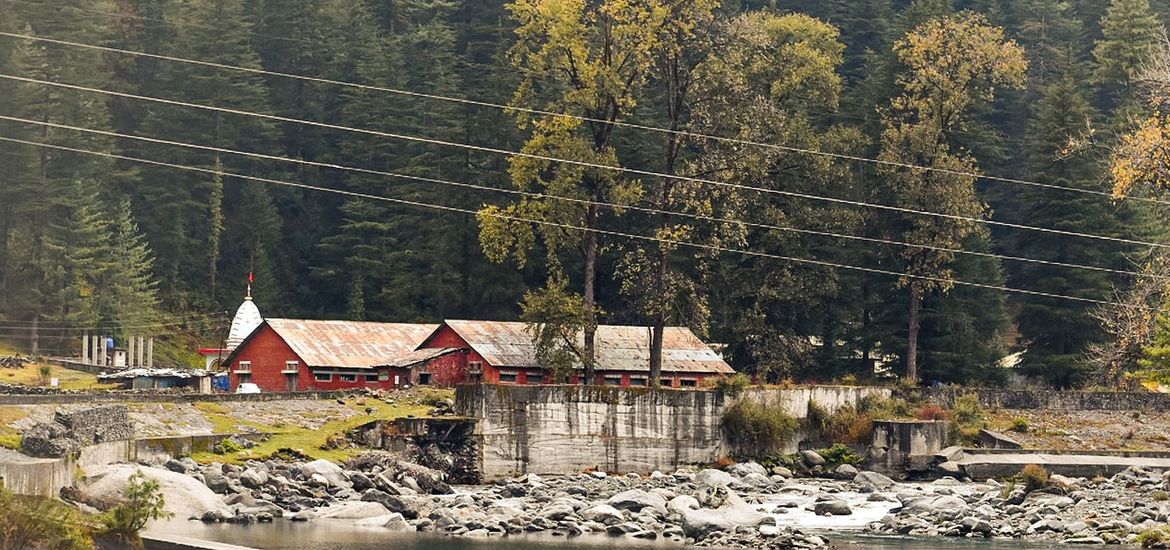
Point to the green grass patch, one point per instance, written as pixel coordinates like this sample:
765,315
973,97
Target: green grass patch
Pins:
310,441
10,436
68,379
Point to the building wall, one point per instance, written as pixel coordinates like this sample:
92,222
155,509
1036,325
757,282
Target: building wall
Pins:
269,354
448,338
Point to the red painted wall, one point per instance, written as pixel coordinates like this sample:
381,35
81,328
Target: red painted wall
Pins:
447,338
269,353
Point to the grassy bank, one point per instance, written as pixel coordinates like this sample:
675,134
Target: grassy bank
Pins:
310,441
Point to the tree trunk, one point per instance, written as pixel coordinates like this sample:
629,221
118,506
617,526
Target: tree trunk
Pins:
590,297
912,335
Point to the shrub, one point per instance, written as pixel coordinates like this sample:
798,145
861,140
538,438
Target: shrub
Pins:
35,524
967,410
724,462
1159,496
733,385
756,430
226,447
142,503
885,409
1034,477
839,454
1157,537
45,372
1019,424
931,411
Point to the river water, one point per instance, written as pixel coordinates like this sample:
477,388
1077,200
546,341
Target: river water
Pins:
325,535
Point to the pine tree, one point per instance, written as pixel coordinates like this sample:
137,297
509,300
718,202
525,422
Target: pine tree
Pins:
1130,32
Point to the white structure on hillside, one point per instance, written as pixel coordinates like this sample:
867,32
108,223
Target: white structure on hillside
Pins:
246,320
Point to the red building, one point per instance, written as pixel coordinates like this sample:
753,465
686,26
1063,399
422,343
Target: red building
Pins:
303,355
503,353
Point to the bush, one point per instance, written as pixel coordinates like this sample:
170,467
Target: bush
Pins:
1157,537
35,524
885,409
756,430
45,372
1034,477
142,503
931,411
967,410
1019,424
733,385
839,454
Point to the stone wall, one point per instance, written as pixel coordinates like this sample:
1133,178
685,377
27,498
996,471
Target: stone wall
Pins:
1046,399
562,429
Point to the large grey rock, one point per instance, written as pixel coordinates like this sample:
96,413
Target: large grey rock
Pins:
556,512
355,510
948,506
253,479
744,468
332,473
183,496
214,479
397,523
713,477
682,504
637,499
409,507
874,479
845,471
812,458
832,507
422,479
603,514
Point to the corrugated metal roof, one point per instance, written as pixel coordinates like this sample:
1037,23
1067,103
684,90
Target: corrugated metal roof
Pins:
417,356
350,344
508,344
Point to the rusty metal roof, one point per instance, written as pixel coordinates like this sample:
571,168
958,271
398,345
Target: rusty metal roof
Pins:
349,344
508,344
417,356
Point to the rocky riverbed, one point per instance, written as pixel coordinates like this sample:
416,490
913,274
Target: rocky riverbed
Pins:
744,505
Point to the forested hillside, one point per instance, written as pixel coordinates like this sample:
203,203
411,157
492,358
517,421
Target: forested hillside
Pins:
822,110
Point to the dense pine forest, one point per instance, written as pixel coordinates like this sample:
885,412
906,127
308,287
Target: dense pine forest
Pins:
754,139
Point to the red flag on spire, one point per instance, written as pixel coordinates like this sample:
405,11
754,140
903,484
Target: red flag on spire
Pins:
251,279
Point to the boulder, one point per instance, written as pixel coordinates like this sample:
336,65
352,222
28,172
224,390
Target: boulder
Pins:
395,522
354,510
409,507
603,514
214,479
744,468
832,507
184,496
555,512
812,458
713,477
845,471
332,473
682,504
943,506
253,479
636,499
874,479
420,478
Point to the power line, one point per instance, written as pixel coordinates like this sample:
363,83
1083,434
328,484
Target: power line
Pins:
445,208
575,200
632,125
493,150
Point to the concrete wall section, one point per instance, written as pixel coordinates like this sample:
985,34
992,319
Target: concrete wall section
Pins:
558,429
561,429
42,477
1046,399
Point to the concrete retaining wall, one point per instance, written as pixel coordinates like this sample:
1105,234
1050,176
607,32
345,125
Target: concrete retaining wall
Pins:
1047,400
35,476
560,429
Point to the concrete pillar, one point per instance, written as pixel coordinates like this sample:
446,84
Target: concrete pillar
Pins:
102,353
93,349
130,352
138,350
150,353
85,347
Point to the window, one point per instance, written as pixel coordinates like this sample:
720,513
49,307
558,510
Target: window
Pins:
424,378
666,382
475,366
244,366
384,375
290,366
509,377
371,378
613,380
245,378
637,381
535,378
349,378
688,383
323,376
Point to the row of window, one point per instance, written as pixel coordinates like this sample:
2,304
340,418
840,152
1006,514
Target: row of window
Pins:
244,370
538,378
